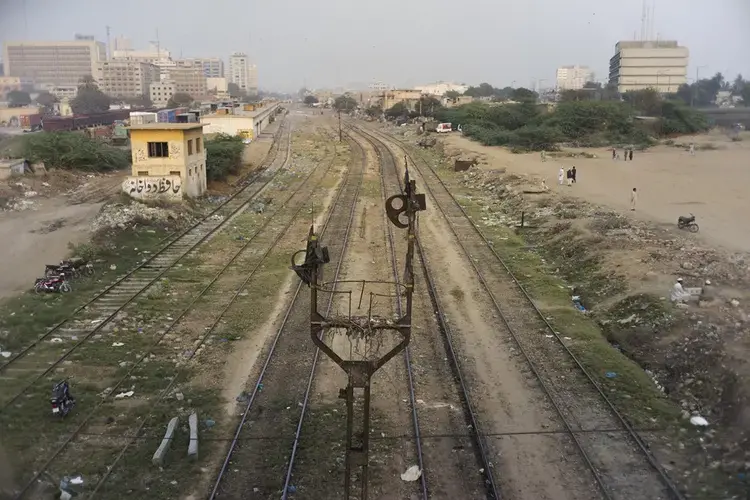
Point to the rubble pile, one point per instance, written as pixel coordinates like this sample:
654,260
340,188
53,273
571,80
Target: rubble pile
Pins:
122,216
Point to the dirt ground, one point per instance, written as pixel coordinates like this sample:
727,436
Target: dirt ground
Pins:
32,238
670,182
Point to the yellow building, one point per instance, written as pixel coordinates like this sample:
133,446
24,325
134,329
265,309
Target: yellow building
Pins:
169,161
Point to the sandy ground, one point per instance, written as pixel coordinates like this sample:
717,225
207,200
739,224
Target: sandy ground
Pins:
32,238
712,184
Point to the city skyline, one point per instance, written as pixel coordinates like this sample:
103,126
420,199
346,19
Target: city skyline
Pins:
309,51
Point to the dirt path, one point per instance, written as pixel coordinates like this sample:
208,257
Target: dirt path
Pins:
670,182
32,238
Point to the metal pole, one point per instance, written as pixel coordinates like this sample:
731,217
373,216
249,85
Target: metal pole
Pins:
340,136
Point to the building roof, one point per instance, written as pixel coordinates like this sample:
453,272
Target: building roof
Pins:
167,126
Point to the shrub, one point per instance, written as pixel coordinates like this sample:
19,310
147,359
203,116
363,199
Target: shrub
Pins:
223,156
72,150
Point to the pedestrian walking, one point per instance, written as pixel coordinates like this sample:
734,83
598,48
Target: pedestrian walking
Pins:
614,153
631,155
573,174
570,177
561,176
633,199
625,154
544,155
692,149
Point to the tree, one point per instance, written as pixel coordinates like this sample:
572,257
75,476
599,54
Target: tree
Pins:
179,99
310,100
745,94
738,85
428,105
483,90
46,101
235,91
397,110
521,94
569,95
647,101
452,95
89,98
18,98
345,103
223,156
374,111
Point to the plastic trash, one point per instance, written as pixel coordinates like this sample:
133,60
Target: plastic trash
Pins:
124,394
117,344
412,474
210,423
5,354
611,374
698,421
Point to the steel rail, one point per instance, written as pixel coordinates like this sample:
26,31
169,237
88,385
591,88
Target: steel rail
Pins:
631,432
212,230
179,317
251,400
202,339
493,491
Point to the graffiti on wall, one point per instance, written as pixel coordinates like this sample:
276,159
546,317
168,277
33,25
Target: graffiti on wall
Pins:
175,150
140,155
167,186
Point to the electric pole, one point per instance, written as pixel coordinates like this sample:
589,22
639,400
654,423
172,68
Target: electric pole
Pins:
340,135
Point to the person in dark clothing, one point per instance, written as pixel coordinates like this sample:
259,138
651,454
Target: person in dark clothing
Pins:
614,153
569,175
631,155
625,154
573,174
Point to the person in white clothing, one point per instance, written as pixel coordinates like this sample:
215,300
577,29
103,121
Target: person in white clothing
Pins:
561,176
692,149
678,293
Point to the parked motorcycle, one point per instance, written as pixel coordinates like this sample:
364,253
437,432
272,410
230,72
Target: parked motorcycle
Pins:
72,268
52,284
62,401
685,222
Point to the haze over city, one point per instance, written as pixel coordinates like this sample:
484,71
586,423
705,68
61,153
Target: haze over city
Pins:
337,43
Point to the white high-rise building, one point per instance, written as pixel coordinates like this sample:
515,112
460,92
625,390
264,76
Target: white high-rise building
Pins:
573,77
656,64
242,73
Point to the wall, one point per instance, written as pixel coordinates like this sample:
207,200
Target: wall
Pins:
191,169
151,188
8,114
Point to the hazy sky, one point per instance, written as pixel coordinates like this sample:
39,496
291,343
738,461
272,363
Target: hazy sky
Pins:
400,42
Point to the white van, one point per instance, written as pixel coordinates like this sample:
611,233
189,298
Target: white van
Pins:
444,127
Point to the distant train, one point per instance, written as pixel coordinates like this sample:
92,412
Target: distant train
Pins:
79,122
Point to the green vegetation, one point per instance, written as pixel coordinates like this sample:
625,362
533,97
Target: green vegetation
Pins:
18,98
179,99
310,100
526,126
89,98
345,103
71,150
223,156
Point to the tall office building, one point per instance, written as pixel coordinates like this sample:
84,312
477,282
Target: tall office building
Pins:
242,73
126,78
187,77
572,77
213,67
53,63
659,64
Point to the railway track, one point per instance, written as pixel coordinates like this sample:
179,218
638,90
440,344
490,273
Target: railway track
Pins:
95,314
619,461
271,412
398,308
297,201
391,179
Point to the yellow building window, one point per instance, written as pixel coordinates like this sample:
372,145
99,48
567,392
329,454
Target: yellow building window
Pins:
197,144
158,150
190,147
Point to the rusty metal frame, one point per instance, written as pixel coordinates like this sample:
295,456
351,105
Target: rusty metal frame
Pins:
360,372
